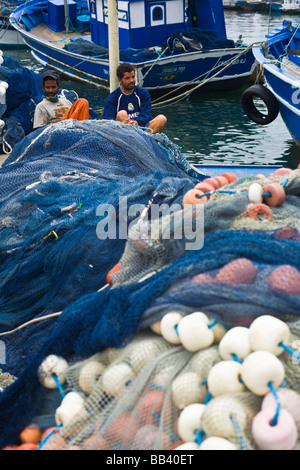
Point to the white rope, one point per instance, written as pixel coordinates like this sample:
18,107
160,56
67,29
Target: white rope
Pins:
188,92
37,320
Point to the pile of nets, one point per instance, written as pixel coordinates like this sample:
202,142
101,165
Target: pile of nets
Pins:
190,40
57,186
24,91
105,373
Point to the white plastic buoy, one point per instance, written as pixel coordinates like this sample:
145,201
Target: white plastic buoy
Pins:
217,443
52,366
260,369
155,327
224,377
235,342
187,389
71,405
255,192
4,85
145,351
267,332
190,421
89,375
116,378
168,326
187,446
194,332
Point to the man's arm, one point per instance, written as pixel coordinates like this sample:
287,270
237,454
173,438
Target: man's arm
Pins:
40,117
110,107
146,108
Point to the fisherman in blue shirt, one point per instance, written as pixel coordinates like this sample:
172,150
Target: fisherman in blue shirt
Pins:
131,104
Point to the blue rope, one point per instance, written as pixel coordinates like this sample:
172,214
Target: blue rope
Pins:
207,398
199,435
232,191
236,359
290,351
239,433
43,442
278,404
59,386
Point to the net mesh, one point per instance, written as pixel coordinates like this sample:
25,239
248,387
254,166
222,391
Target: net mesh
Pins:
128,383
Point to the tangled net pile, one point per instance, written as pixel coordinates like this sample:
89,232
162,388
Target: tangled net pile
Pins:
180,348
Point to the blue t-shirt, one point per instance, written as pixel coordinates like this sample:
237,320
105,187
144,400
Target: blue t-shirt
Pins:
137,105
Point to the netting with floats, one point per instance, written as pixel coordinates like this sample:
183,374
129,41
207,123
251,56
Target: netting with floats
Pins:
184,348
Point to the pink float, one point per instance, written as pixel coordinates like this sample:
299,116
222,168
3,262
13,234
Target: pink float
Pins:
239,271
282,436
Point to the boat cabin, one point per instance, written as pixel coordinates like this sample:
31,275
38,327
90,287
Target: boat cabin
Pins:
148,23
141,23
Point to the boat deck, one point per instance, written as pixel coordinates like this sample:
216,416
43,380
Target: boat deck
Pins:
60,38
290,67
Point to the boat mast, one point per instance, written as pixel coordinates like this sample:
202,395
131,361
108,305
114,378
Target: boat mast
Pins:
113,43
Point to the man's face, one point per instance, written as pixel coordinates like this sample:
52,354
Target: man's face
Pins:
128,81
50,87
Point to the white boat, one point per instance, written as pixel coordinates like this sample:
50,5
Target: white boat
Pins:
278,55
167,49
229,4
286,6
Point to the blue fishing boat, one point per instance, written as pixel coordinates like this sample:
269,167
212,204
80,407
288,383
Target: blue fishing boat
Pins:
252,6
9,37
279,57
170,47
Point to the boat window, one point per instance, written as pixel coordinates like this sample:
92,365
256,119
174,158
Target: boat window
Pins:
157,13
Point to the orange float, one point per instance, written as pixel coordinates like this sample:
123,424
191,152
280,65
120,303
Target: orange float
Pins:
192,197
231,177
277,194
112,271
212,181
259,212
281,172
205,188
28,446
32,434
222,181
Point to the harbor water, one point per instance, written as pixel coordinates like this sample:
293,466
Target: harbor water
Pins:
212,128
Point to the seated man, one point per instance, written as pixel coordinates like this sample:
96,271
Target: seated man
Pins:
56,108
131,104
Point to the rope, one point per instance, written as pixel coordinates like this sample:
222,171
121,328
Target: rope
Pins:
37,320
188,92
161,54
194,80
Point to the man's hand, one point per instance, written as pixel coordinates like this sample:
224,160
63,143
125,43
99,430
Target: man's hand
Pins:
131,121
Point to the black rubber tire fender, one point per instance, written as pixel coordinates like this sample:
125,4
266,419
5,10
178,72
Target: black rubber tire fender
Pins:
270,101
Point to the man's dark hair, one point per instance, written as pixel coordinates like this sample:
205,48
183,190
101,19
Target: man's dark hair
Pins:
123,68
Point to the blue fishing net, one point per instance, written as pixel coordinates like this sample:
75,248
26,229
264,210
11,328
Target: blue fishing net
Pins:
51,187
24,92
52,258
191,40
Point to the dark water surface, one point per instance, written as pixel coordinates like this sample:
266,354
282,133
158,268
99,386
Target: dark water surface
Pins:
213,128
